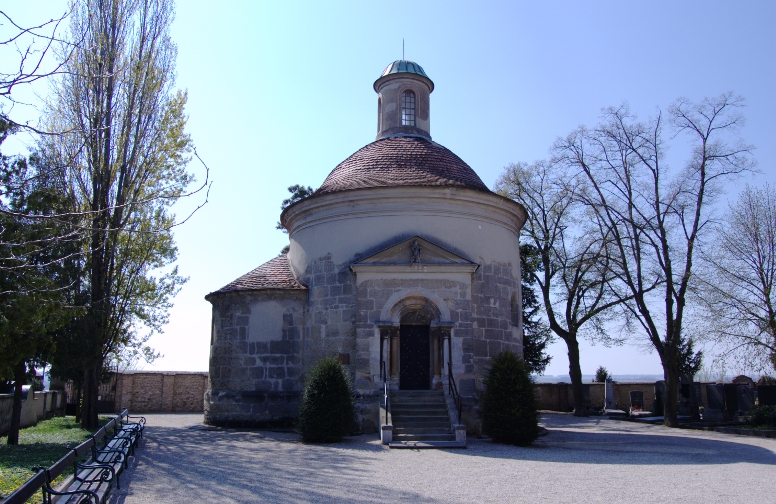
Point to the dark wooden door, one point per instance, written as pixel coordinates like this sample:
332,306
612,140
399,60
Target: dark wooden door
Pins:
414,355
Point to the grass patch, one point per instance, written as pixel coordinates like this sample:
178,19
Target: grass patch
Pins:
759,427
40,445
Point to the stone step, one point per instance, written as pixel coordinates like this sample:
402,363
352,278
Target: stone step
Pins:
418,392
421,421
420,414
421,400
421,430
424,437
409,427
426,444
419,406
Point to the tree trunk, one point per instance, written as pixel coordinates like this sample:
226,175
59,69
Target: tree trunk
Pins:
20,379
575,372
90,392
78,402
671,397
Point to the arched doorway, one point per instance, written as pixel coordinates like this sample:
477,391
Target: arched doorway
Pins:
415,350
414,340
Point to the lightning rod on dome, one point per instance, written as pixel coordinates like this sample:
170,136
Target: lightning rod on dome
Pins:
402,48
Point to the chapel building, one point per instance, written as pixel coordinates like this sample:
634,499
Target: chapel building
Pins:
403,264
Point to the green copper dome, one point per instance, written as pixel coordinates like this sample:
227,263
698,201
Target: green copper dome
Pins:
404,66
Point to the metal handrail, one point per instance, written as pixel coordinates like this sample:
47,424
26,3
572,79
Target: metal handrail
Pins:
454,390
386,397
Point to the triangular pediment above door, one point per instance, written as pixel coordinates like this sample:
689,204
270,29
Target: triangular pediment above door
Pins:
415,251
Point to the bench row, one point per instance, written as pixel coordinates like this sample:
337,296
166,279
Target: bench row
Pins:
107,450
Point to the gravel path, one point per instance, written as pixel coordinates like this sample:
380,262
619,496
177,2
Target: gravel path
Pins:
580,461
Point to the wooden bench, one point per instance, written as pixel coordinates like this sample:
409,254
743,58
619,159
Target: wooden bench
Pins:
92,480
114,450
131,425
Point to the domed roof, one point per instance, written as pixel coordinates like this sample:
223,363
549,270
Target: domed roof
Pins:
401,161
404,66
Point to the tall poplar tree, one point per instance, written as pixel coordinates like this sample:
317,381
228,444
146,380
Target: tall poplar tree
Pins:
123,162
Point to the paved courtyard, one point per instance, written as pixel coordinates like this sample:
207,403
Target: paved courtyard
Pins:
580,461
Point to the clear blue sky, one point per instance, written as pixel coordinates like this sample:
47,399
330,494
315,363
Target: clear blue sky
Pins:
281,92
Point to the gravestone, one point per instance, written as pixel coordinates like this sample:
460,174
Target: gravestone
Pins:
766,395
660,393
637,401
745,397
715,397
609,395
731,400
688,398
742,380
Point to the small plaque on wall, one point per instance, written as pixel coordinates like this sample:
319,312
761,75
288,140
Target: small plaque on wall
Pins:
344,359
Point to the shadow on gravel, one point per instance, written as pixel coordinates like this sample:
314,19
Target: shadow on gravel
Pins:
625,448
233,465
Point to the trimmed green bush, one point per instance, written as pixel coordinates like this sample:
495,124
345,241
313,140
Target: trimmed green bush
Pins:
509,413
326,413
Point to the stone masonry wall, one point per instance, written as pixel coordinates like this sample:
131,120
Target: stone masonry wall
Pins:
255,378
492,290
149,391
332,311
331,327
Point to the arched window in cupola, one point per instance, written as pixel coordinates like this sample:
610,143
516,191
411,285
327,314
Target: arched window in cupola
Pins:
408,108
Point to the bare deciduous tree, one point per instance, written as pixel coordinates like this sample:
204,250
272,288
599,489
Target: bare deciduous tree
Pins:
31,47
572,250
739,281
658,217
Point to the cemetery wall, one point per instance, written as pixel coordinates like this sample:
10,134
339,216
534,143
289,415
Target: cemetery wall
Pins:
559,396
37,406
161,391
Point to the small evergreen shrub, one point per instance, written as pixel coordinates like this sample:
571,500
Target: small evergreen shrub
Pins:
326,413
509,413
601,374
763,416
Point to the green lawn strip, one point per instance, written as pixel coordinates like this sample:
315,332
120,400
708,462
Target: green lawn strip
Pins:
41,445
759,427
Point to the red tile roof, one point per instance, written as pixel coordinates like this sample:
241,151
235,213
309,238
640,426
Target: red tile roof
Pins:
273,274
401,161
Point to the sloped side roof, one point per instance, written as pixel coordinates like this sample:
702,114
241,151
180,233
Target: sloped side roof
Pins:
401,161
273,274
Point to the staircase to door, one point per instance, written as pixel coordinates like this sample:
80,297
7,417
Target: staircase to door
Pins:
420,419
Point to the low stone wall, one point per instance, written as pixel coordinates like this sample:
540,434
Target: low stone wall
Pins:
560,397
161,391
37,406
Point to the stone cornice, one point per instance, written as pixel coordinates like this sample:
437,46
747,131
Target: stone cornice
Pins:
405,200
413,268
